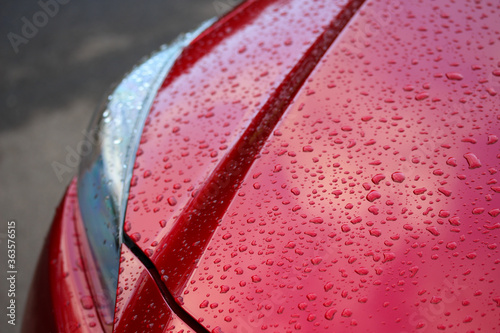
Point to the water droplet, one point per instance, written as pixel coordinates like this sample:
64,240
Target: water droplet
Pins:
433,230
444,191
87,302
328,286
435,300
172,201
472,160
455,221
127,226
419,191
421,96
373,195
330,313
316,260
451,245
316,220
135,237
345,228
388,256
346,313
398,177
494,212
311,317
378,178
256,278
413,271
452,161
454,76
471,255
361,271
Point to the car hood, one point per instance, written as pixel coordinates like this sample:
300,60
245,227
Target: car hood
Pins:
311,165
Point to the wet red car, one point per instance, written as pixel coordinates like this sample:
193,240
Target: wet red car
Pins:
297,165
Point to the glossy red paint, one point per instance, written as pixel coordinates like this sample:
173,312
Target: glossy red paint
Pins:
374,204
60,298
140,306
284,183
201,115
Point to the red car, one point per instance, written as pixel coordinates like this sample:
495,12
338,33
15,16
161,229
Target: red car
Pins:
297,165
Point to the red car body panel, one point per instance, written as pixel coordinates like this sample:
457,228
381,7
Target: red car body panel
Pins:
309,165
60,299
352,214
370,208
206,107
139,304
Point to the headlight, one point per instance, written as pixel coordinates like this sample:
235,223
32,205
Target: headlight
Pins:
105,173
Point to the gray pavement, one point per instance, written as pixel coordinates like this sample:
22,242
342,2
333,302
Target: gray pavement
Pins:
52,78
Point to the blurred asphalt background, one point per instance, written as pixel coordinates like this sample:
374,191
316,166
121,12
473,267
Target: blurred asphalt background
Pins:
48,92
